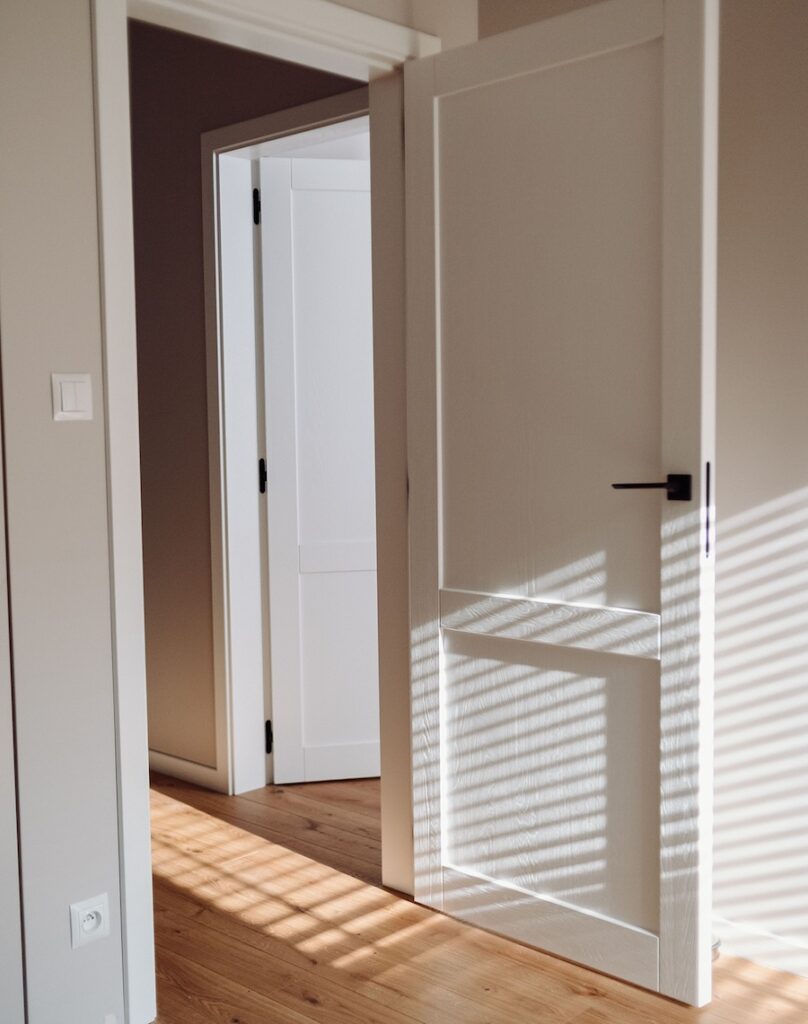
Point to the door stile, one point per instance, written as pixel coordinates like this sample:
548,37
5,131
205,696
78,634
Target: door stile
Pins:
422,442
689,232
280,398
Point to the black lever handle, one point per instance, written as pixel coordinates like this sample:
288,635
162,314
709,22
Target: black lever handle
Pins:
679,487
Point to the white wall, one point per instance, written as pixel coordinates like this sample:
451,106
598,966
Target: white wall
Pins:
761,838
58,541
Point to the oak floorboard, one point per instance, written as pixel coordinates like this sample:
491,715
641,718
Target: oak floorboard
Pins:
423,993
259,922
344,848
297,800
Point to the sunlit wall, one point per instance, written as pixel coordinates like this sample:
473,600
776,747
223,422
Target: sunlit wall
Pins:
761,868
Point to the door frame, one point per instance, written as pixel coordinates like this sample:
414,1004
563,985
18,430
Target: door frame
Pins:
375,46
12,999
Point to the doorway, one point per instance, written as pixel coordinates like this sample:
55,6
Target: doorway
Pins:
294,328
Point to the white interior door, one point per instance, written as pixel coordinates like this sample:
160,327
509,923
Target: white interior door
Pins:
560,269
321,490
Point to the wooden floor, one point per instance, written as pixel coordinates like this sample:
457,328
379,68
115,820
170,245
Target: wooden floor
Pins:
269,909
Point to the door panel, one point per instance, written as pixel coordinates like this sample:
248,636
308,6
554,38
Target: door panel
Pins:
552,769
552,329
560,213
321,486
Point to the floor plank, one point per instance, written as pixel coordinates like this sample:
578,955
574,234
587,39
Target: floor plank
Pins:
266,911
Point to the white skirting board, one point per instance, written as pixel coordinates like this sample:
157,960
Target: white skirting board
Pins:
188,771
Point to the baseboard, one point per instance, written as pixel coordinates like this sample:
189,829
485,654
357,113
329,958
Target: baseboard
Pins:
188,771
342,761
761,947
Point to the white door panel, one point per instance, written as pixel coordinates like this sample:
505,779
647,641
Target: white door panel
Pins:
577,358
321,483
560,249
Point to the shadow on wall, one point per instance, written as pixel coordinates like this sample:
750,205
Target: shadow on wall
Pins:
761,837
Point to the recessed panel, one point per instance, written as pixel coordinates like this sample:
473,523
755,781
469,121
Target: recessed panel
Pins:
334,366
551,772
339,658
549,341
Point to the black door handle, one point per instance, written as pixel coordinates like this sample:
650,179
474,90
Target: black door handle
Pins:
679,487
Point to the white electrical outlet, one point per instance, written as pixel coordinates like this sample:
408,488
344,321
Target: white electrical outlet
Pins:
89,921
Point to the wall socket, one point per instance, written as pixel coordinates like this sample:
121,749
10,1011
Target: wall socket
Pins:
89,921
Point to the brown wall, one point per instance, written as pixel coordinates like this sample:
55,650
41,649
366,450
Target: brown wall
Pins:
182,86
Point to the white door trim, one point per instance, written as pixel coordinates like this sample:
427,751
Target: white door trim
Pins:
117,272
12,997
316,33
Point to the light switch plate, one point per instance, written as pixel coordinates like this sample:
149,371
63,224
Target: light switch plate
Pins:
72,396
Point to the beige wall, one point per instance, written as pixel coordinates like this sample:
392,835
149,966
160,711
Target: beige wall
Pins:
761,871
761,876
501,15
453,21
182,86
56,496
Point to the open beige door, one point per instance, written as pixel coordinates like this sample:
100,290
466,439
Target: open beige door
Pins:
560,276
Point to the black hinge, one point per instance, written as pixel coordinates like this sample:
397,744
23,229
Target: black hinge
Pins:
268,736
256,206
262,476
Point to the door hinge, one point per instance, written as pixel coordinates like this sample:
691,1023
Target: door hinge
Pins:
262,476
268,736
256,206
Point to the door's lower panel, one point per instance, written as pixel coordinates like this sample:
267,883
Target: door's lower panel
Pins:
550,769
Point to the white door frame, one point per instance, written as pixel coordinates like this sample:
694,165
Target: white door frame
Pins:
313,32
12,997
316,33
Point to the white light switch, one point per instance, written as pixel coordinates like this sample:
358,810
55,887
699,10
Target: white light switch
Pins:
72,396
